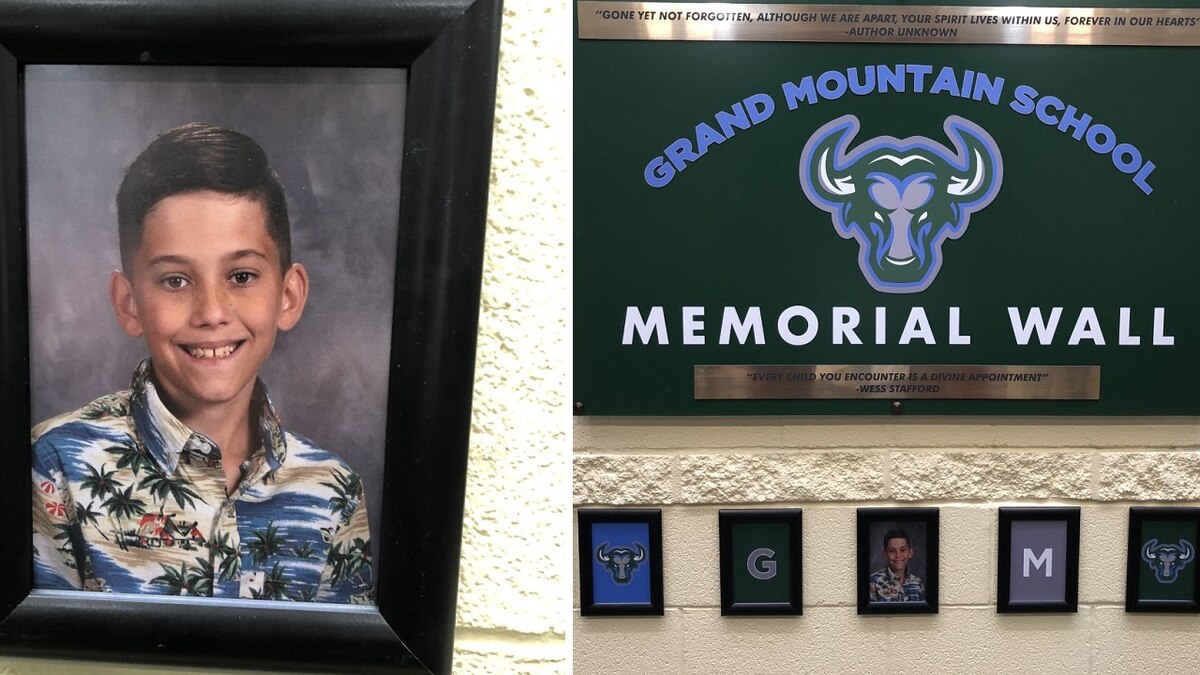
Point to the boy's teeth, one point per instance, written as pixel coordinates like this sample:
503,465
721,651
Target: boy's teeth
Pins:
219,352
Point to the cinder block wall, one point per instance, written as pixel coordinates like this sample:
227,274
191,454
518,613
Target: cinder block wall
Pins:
512,603
691,468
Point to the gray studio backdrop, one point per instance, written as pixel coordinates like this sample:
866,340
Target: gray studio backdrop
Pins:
334,137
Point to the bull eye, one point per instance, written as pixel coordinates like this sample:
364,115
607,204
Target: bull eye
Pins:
924,215
878,217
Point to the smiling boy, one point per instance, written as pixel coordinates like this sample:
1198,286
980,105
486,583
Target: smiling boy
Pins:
895,583
187,483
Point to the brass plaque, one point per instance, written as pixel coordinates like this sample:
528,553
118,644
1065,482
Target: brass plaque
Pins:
940,24
1063,383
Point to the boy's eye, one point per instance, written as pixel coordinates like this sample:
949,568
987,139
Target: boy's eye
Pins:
174,283
242,278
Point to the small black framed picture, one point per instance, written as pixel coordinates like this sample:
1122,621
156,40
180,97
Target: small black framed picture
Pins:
376,83
1161,571
761,561
1037,568
620,562
897,561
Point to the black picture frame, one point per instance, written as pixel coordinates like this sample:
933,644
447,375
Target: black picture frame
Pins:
1011,515
879,519
589,603
1142,518
450,50
728,520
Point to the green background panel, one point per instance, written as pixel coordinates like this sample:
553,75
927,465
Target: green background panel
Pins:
750,536
1167,532
734,228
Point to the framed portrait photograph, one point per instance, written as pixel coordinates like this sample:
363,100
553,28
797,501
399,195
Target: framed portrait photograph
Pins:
1037,569
241,251
620,562
762,562
897,561
1161,571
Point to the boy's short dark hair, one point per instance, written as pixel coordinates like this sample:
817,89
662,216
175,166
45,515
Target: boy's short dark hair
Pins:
196,157
896,534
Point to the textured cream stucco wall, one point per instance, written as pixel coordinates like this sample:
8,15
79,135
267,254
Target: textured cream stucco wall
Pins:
512,603
691,468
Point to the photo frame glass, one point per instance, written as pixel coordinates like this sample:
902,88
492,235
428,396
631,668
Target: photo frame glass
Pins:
1162,569
620,566
897,561
1032,575
334,136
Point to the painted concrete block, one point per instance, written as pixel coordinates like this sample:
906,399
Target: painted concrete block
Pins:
792,477
623,479
1139,476
990,475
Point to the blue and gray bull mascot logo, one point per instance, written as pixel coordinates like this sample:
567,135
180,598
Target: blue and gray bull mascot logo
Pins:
620,562
1167,560
900,198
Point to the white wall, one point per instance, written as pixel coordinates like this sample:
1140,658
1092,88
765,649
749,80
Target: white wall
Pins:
691,468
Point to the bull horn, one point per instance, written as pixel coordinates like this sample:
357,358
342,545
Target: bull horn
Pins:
1187,550
601,555
1148,549
964,187
641,554
819,159
978,151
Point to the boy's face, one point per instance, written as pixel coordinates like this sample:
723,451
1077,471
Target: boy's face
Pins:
898,554
206,291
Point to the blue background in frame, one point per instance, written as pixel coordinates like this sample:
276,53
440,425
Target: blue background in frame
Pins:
605,589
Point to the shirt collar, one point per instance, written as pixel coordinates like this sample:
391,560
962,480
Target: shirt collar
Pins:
164,435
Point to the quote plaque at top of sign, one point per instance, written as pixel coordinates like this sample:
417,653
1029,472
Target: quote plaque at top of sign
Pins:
792,208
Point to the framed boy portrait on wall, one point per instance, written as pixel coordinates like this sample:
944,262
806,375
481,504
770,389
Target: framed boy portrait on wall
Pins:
225,288
897,561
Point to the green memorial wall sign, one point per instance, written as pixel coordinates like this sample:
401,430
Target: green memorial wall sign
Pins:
857,209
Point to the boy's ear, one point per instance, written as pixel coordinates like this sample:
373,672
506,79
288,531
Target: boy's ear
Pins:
295,294
120,295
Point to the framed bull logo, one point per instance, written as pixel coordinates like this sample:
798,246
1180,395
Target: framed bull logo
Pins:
620,562
1162,565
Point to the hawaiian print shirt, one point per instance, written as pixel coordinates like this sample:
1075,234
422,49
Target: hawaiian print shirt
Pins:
127,499
887,587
